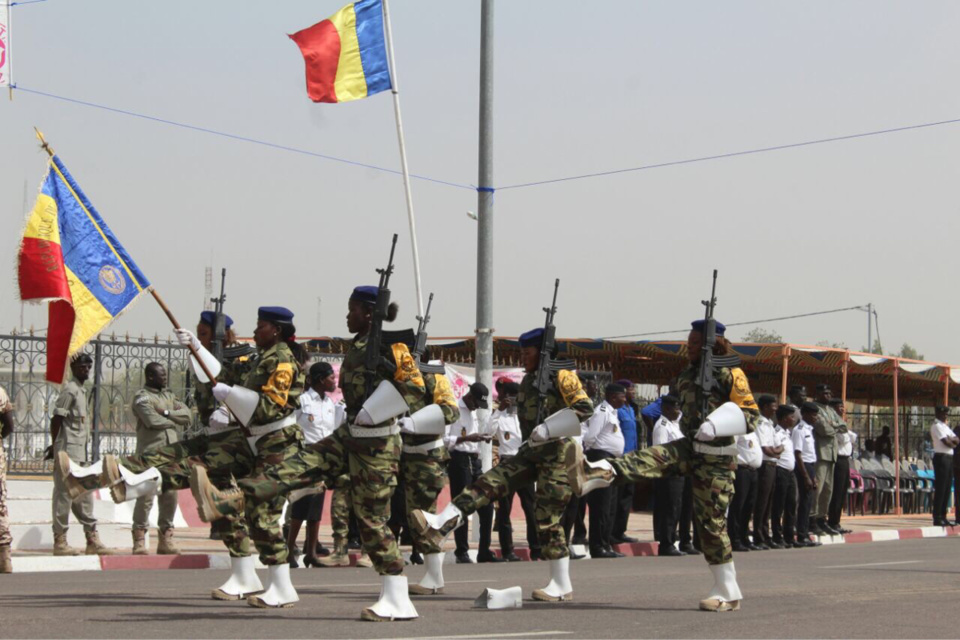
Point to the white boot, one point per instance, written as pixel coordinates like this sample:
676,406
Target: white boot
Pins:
585,476
137,485
432,582
243,581
436,528
394,602
280,592
559,588
725,594
73,475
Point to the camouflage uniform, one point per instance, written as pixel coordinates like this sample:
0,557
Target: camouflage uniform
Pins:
712,474
372,463
6,539
153,431
543,464
340,510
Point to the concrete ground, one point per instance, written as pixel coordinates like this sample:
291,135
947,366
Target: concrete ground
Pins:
899,589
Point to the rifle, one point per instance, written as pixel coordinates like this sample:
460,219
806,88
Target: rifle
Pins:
707,381
420,346
220,326
543,383
373,357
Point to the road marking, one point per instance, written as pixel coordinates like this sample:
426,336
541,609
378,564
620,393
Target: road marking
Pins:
871,564
378,584
528,634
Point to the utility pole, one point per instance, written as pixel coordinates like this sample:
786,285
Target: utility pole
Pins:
484,332
318,315
870,327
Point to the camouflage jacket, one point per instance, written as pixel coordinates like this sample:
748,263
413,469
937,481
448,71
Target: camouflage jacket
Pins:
732,386
279,380
439,392
406,377
566,392
232,371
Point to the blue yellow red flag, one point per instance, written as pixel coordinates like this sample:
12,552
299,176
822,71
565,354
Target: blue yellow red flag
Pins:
346,54
69,256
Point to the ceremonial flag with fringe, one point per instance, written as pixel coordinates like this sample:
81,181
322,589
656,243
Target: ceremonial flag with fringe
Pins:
346,54
70,257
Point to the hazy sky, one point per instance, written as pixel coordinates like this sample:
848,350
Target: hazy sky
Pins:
580,87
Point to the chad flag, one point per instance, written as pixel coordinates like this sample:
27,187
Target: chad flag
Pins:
346,55
70,257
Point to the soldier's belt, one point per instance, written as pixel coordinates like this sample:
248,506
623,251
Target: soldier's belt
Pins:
706,449
423,448
263,429
374,432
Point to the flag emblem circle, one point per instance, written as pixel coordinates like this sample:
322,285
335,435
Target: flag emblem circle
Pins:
112,280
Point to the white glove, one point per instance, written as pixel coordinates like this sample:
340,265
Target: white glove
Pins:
406,425
221,391
187,339
363,419
540,434
707,432
220,418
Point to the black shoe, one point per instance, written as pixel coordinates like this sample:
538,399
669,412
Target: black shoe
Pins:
615,552
512,557
602,553
738,547
760,546
293,562
843,531
579,540
489,556
416,558
796,544
811,543
321,551
464,559
669,550
310,562
689,549
625,539
775,545
354,543
535,555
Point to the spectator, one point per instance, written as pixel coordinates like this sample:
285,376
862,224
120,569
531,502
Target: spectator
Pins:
797,396
805,453
463,440
589,384
649,416
6,428
784,512
749,460
623,503
944,441
846,444
318,417
668,492
869,450
505,429
767,475
884,444
603,439
825,433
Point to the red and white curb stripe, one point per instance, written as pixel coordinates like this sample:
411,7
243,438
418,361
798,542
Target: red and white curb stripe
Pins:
25,564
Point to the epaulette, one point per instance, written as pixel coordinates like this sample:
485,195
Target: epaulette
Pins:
406,336
426,367
730,361
563,365
229,353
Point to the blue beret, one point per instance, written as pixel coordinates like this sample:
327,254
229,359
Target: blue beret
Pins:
275,314
532,338
210,318
365,294
698,325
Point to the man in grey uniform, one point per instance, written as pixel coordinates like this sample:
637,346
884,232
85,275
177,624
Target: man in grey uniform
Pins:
70,431
160,419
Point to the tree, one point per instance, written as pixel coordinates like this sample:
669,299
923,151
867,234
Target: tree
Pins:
906,351
832,345
763,336
877,348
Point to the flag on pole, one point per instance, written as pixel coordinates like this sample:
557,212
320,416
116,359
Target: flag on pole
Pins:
4,44
346,54
70,257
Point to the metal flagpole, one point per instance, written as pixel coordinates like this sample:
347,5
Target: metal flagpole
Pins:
395,90
484,354
9,51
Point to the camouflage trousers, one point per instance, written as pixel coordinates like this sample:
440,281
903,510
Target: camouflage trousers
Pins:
424,478
225,455
543,465
712,478
372,465
5,538
340,509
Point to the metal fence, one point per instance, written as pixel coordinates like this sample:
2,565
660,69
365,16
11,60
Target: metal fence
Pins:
116,376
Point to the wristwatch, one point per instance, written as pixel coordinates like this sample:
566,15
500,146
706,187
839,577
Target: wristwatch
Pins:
166,413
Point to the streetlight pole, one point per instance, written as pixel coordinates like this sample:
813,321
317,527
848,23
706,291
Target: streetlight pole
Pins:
484,331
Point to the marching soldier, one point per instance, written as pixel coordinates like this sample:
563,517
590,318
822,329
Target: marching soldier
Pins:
367,447
70,431
221,447
707,453
540,459
160,419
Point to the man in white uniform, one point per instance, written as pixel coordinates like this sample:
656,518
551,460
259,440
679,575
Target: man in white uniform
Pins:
603,439
944,442
668,492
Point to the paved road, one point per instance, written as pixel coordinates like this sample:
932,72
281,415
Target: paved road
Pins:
887,589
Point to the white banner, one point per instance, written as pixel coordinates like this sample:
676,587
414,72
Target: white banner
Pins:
4,44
